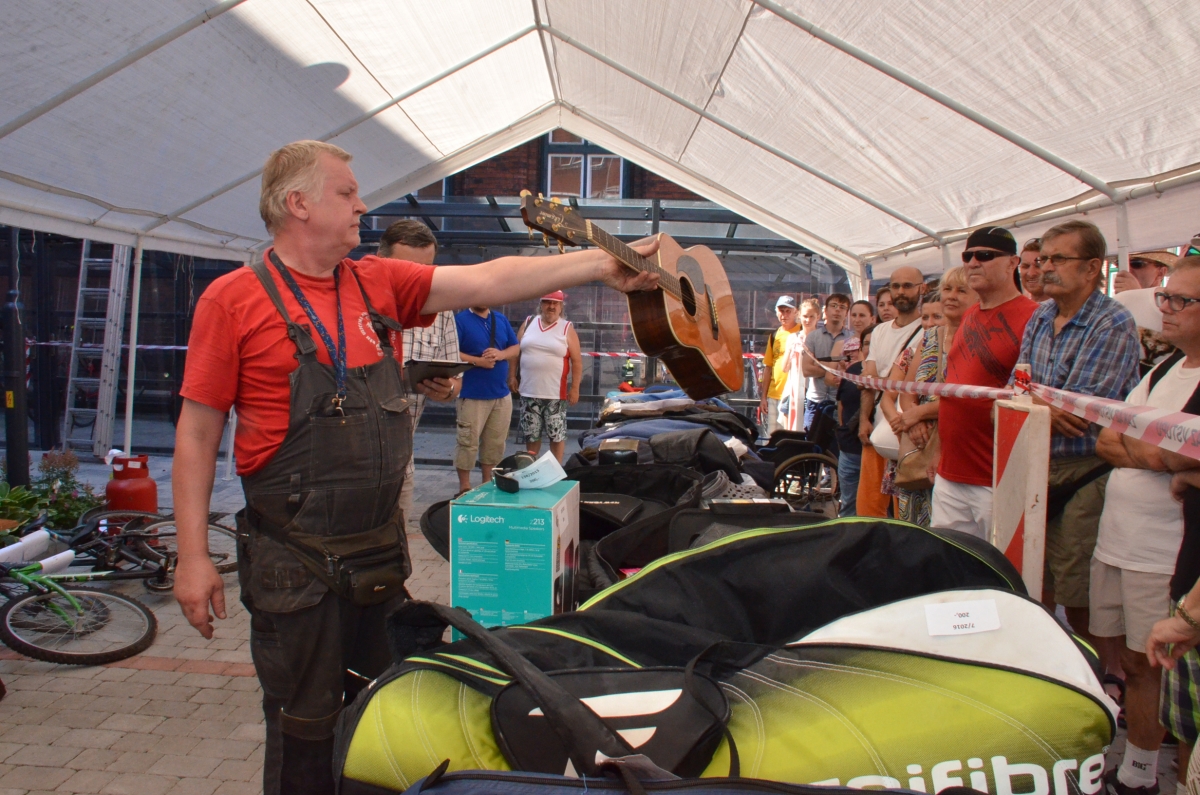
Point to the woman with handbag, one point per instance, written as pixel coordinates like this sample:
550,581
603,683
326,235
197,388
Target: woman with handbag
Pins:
916,422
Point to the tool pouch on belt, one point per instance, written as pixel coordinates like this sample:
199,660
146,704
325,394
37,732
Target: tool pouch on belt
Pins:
367,568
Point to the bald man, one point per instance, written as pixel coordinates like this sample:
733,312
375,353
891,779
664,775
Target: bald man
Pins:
983,353
888,341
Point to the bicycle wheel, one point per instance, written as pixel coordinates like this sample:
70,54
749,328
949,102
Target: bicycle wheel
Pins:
105,628
808,482
157,542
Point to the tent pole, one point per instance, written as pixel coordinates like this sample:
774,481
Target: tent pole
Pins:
1122,237
133,333
947,264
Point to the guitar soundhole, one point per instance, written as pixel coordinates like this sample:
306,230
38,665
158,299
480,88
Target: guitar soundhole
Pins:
688,296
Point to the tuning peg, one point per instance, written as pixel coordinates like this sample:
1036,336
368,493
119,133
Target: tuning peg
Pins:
545,240
561,250
530,230
525,192
555,201
540,196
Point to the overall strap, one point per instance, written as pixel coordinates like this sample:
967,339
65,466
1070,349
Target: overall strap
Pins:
306,349
380,322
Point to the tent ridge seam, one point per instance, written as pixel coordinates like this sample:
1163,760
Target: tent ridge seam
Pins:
820,241
831,180
720,76
128,59
859,54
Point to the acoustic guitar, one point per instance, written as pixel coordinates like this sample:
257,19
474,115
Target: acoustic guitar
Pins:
689,322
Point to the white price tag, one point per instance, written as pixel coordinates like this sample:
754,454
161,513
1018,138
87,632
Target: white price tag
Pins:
962,618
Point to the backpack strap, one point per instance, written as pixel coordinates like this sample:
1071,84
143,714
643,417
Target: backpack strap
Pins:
1163,367
306,349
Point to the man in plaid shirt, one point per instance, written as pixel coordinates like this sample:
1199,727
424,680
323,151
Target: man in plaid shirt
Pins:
1080,341
413,241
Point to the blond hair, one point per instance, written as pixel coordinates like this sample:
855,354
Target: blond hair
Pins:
955,277
290,169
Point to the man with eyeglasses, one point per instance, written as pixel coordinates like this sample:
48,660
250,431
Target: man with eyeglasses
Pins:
1146,272
1080,341
983,354
887,343
1141,530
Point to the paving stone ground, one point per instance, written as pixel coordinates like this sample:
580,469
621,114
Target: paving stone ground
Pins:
185,716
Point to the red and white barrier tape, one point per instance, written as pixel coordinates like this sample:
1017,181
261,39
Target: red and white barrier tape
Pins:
1170,430
918,387
601,354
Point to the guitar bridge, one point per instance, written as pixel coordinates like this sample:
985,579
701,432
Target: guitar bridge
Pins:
712,314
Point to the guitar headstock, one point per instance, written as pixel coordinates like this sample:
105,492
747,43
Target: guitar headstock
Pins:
553,219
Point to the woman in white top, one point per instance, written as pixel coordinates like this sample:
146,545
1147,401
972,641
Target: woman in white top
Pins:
549,358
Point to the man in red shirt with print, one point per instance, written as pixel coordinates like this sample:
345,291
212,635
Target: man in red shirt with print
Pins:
983,353
299,342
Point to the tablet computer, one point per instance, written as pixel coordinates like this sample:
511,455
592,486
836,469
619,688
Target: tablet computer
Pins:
418,370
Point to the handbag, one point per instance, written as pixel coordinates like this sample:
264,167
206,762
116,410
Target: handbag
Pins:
912,464
883,438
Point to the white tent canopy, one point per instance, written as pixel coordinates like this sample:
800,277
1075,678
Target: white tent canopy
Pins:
874,133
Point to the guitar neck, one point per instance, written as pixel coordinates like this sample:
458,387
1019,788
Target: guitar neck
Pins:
631,259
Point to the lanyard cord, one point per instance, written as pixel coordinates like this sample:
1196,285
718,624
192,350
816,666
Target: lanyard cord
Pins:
337,355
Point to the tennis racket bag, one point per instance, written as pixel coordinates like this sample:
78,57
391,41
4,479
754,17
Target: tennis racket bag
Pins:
834,654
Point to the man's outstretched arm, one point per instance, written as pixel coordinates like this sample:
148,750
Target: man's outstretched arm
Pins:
197,583
511,279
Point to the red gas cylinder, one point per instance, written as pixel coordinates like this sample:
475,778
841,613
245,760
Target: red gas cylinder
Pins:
132,488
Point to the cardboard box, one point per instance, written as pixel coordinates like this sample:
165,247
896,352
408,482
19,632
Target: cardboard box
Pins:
513,557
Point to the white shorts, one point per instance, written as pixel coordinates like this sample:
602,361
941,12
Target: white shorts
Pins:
962,507
1126,602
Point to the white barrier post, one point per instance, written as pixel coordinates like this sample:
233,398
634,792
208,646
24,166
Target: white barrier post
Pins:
1020,481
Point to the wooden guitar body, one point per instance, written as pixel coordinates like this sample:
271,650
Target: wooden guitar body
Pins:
705,360
689,322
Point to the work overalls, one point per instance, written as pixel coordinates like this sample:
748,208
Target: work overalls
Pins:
337,472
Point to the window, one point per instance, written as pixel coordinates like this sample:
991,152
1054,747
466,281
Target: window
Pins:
566,175
577,168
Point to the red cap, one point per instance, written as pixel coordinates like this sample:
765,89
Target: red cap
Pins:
557,295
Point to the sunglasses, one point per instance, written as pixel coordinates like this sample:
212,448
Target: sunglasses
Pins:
983,256
1138,264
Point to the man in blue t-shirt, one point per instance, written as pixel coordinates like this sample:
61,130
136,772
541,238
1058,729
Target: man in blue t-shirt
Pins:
486,340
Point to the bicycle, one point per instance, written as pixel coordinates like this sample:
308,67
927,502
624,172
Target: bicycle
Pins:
136,545
70,624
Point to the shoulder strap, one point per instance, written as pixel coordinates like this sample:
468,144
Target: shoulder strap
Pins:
305,347
381,323
1164,367
908,341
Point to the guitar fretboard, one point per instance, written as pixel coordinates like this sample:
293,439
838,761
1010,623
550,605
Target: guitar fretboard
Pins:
632,259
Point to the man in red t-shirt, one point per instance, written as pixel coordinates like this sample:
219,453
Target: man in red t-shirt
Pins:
983,353
301,344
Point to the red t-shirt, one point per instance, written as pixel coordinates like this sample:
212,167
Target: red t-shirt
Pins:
239,353
983,353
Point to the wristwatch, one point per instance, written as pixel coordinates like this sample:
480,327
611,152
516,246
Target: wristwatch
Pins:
1182,612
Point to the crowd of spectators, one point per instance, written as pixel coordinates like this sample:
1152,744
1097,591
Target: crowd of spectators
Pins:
1122,553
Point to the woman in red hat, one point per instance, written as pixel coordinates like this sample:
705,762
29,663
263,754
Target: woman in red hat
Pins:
549,359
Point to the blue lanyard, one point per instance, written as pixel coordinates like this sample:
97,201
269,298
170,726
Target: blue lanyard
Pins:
337,355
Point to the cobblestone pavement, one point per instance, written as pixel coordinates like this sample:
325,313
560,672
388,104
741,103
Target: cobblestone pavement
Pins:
185,716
